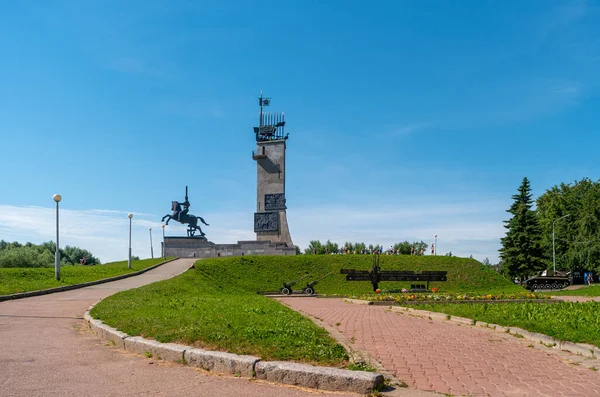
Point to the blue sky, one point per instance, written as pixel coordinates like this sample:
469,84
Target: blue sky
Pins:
406,119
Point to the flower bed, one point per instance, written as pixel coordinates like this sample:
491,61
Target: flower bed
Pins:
408,297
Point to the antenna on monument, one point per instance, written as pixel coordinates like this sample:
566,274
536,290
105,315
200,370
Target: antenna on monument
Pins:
270,125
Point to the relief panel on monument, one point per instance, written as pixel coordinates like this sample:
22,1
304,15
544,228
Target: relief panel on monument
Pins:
275,202
266,221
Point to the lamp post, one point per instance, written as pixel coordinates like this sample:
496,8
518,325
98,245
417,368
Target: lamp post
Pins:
553,251
435,247
57,198
129,260
163,244
151,249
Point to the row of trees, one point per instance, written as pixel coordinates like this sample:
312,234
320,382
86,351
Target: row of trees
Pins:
42,255
572,211
404,248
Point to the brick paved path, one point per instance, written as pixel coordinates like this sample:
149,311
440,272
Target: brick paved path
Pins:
448,358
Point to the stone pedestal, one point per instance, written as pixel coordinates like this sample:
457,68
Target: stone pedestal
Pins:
194,247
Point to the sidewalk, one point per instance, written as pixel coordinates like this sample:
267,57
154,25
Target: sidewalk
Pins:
449,358
45,351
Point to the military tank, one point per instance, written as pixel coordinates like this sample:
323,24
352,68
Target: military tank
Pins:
547,280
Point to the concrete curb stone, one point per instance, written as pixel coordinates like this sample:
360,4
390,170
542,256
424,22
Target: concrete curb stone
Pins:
110,334
578,348
358,301
220,362
154,349
331,379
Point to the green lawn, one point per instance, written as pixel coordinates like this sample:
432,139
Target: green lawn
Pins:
14,280
592,290
576,322
199,310
254,273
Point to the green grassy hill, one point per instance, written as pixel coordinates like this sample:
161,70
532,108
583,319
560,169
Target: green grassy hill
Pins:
268,273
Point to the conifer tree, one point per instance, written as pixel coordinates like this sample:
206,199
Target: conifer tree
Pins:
521,251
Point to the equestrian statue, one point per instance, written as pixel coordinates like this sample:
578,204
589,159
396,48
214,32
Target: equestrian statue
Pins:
182,216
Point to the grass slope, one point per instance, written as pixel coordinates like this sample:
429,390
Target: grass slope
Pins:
14,280
576,322
197,310
269,273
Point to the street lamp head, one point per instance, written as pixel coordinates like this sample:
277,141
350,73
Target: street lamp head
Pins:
57,198
130,215
435,235
150,229
163,226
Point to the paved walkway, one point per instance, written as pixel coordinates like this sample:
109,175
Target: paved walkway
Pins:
449,358
45,351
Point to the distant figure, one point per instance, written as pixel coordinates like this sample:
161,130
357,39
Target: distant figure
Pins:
589,279
432,249
83,261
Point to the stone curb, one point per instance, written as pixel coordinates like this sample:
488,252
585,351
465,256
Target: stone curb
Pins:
332,379
29,294
304,375
582,349
220,362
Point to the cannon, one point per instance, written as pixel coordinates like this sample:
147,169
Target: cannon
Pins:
287,287
310,287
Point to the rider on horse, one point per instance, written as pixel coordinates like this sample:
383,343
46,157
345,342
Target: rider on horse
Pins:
183,216
178,214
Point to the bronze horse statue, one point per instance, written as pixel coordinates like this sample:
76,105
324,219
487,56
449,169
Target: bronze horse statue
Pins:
185,218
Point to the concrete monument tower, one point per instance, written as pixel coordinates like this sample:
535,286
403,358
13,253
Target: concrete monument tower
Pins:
270,220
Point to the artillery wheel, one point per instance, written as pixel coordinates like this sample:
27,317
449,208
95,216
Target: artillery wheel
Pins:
534,287
286,291
309,291
554,286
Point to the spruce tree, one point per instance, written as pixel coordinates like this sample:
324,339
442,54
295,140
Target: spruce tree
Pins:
521,251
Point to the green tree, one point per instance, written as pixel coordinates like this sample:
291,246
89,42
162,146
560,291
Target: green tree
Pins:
577,241
348,247
403,247
331,248
315,247
298,250
521,250
358,247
